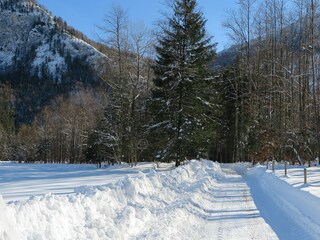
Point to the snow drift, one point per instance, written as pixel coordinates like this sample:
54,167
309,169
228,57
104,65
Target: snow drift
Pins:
167,205
7,230
286,207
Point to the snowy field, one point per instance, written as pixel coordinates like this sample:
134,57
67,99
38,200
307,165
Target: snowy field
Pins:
200,200
21,181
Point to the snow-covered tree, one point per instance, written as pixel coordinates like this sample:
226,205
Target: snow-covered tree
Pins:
180,106
121,135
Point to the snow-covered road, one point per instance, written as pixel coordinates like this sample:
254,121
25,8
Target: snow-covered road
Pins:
292,213
233,214
200,200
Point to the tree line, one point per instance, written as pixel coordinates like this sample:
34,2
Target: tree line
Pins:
164,101
271,93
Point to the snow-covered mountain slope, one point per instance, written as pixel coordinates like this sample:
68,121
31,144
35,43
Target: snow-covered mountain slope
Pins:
41,57
34,42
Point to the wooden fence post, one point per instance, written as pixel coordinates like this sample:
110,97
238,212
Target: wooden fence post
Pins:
305,175
273,163
285,168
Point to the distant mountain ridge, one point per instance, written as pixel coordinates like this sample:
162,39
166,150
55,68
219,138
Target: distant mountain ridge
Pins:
225,58
32,37
40,58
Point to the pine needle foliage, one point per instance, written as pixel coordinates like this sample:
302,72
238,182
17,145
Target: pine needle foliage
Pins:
181,105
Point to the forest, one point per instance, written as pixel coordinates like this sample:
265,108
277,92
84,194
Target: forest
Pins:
167,95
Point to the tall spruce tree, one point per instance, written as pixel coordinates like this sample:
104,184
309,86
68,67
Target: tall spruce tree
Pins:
181,107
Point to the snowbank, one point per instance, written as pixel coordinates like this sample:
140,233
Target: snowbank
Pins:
240,167
300,206
295,177
21,181
7,230
166,205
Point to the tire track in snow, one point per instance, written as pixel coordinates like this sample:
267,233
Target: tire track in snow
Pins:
234,214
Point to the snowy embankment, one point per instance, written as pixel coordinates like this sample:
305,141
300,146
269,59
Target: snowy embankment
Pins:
21,181
200,200
150,205
295,177
287,204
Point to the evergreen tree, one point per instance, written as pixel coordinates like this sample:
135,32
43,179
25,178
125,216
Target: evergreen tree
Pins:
6,109
181,106
7,127
237,136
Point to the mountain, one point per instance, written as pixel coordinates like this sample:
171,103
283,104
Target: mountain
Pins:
41,57
225,58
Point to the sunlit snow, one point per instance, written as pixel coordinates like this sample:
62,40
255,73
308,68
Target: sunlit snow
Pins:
199,200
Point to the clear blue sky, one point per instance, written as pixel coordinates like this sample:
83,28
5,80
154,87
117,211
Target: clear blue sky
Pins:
85,15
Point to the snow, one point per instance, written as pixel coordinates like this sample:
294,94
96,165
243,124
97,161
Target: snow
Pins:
199,200
20,35
54,61
233,214
6,59
287,205
295,177
22,181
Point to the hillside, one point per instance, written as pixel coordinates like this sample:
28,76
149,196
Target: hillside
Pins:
40,57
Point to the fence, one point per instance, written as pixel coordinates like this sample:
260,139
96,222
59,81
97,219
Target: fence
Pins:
286,164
